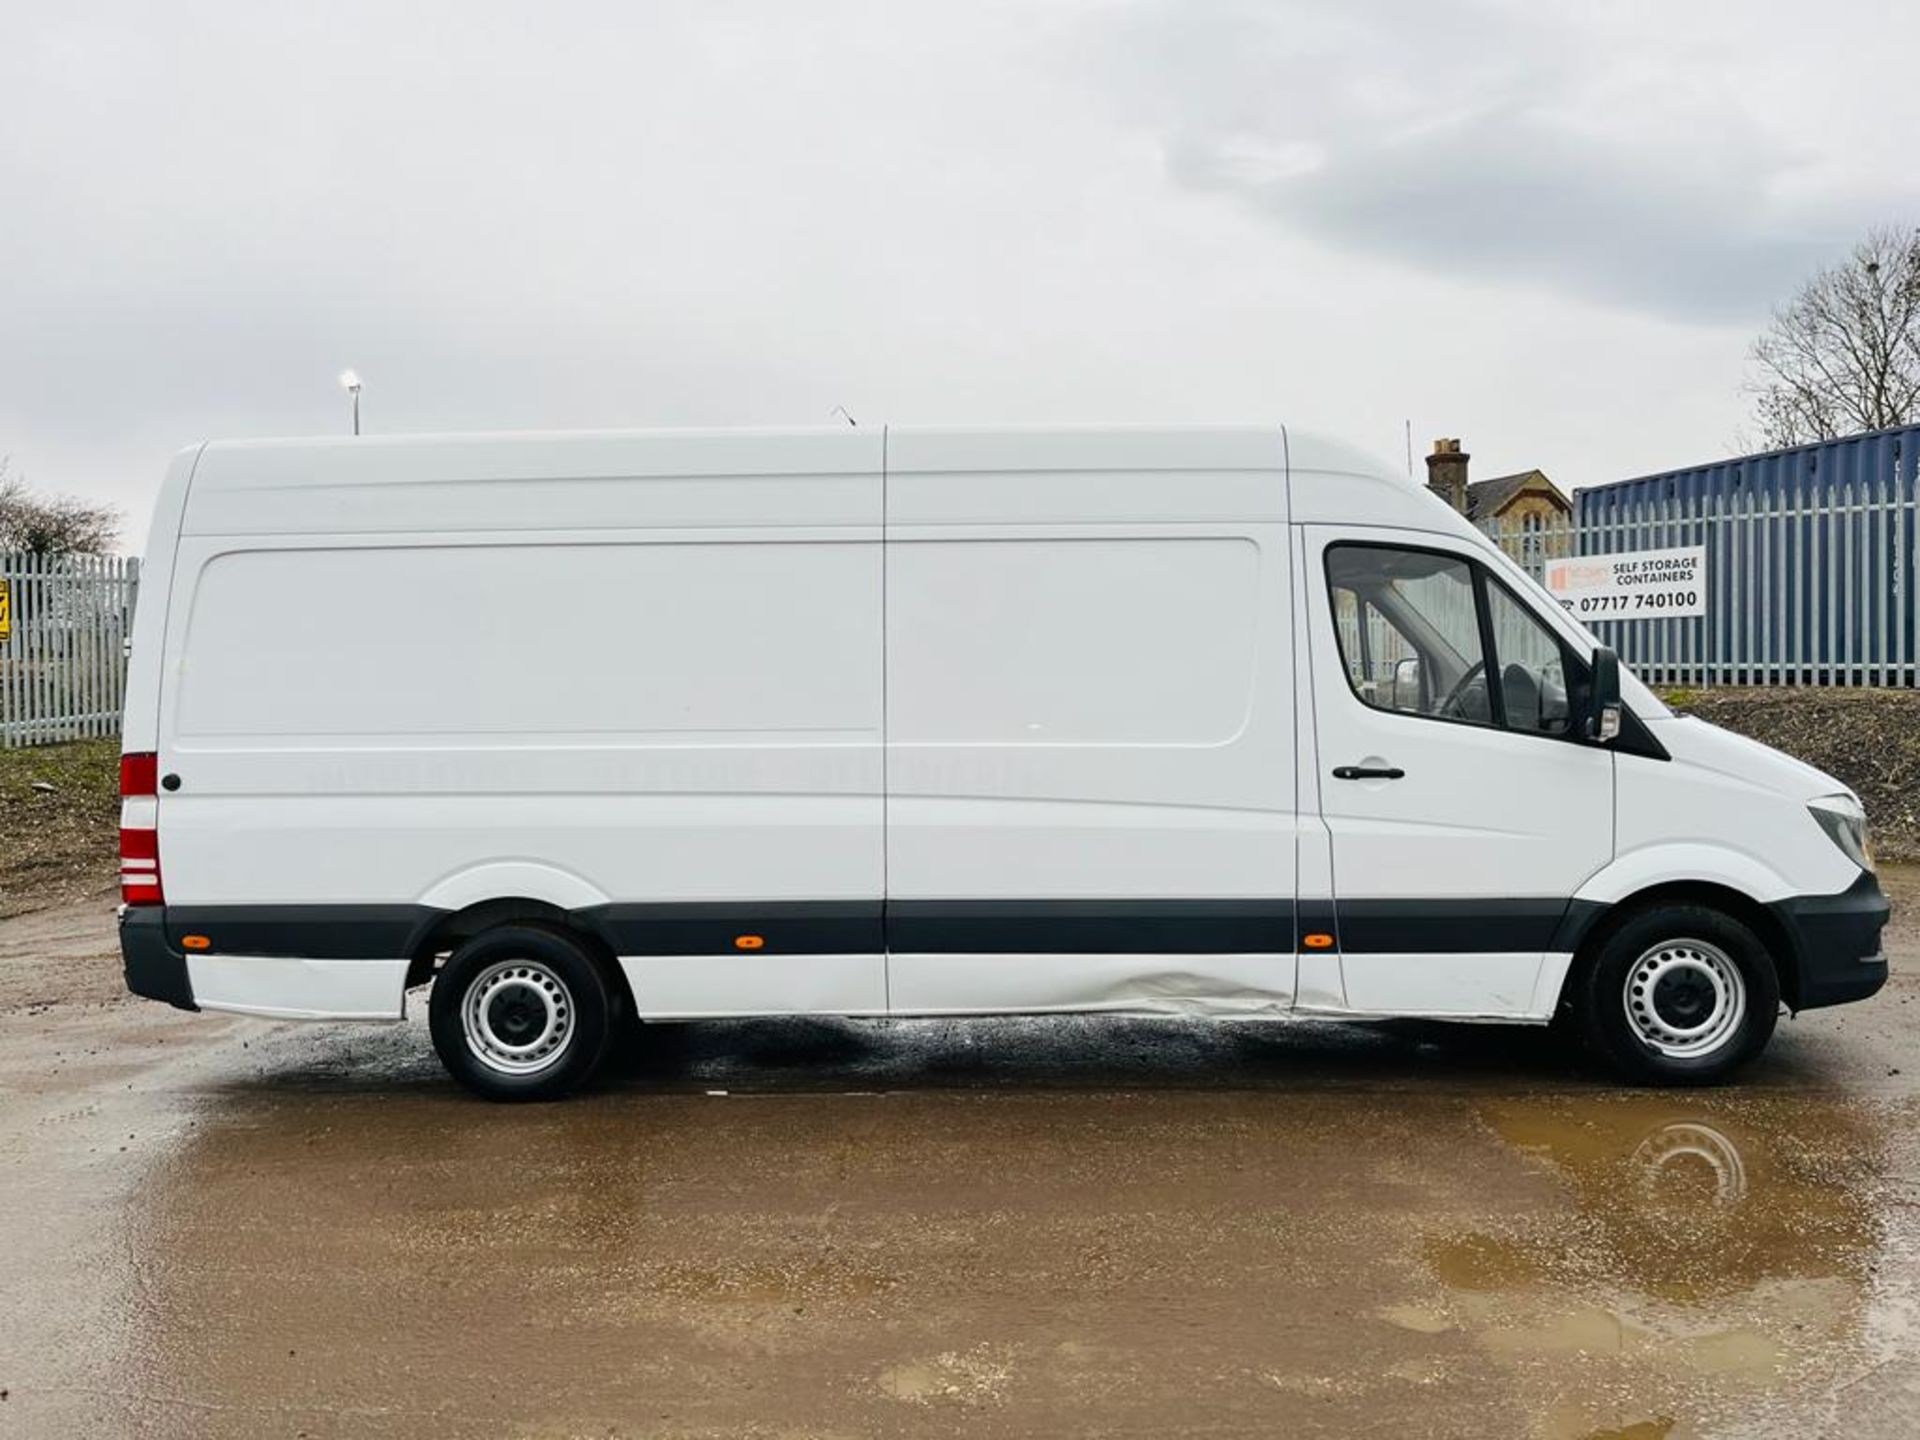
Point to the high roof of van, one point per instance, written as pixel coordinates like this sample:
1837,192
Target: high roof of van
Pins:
823,476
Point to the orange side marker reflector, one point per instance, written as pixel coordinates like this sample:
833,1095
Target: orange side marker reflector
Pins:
195,942
1319,940
749,942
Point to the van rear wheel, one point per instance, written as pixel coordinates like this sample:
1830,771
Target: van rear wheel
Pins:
521,1012
1678,995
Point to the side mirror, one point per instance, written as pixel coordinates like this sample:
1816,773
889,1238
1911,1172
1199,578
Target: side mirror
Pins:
1406,684
1603,696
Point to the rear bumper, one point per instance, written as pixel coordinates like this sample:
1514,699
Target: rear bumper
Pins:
277,987
1836,942
153,967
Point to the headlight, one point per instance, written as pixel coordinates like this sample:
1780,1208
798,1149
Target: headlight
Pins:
1846,825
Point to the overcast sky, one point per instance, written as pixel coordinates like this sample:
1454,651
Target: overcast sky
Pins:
1550,230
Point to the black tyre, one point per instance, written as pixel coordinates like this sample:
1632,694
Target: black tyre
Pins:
1677,995
521,1012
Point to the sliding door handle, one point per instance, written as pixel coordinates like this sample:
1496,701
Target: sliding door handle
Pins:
1367,772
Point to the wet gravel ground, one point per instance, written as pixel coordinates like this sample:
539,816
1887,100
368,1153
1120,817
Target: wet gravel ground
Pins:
220,1227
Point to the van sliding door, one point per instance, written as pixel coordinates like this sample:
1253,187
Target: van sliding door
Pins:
1090,768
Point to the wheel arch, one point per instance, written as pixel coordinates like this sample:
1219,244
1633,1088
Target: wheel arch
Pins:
1589,924
453,927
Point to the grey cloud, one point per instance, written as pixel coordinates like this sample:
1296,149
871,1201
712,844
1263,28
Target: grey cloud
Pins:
1442,145
1503,196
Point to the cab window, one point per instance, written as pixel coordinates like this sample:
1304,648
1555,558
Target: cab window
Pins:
1421,632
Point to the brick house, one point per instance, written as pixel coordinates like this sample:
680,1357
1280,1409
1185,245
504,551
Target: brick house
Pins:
1526,512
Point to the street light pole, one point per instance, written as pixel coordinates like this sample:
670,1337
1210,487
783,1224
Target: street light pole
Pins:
350,382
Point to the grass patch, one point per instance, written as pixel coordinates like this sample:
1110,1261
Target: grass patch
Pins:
59,823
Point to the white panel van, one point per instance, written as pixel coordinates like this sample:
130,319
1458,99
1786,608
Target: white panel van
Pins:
588,729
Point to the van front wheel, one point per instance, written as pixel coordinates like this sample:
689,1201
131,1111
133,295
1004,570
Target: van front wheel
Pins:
521,1012
1678,995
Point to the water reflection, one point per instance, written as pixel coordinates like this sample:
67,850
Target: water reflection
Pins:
1690,1204
1709,1254
1673,1157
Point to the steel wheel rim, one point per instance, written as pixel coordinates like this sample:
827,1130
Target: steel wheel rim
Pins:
517,1017
1685,998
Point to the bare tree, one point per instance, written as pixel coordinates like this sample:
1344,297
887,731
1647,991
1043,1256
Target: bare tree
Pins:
52,524
1844,354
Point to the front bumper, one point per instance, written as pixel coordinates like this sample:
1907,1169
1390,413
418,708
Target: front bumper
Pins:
153,967
1836,943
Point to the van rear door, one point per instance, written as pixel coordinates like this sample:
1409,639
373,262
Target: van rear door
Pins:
1464,810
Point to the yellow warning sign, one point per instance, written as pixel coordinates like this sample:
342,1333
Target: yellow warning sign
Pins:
6,610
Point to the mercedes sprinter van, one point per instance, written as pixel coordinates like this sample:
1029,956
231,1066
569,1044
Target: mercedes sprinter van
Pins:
585,729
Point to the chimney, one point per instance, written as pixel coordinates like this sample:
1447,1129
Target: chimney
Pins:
1447,473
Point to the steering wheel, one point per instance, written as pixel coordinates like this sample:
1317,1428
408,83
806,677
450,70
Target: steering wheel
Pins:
1449,706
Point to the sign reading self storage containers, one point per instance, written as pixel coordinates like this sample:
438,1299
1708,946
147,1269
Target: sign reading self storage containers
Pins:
1643,585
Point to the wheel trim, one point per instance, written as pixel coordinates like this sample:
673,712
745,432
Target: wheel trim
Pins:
517,1017
1685,999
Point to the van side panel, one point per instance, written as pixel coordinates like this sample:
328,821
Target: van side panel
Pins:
465,697
425,645
1086,808
1056,732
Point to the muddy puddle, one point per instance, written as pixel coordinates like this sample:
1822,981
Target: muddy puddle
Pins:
908,1259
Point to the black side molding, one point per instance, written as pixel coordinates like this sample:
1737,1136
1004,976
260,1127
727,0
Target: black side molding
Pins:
314,932
1448,927
1090,927
783,927
1576,925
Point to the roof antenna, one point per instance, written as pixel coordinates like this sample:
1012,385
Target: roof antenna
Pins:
841,411
1409,449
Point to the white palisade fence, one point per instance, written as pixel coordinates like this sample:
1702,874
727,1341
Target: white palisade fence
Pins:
63,666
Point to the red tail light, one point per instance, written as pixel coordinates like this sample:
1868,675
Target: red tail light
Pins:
139,830
139,774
